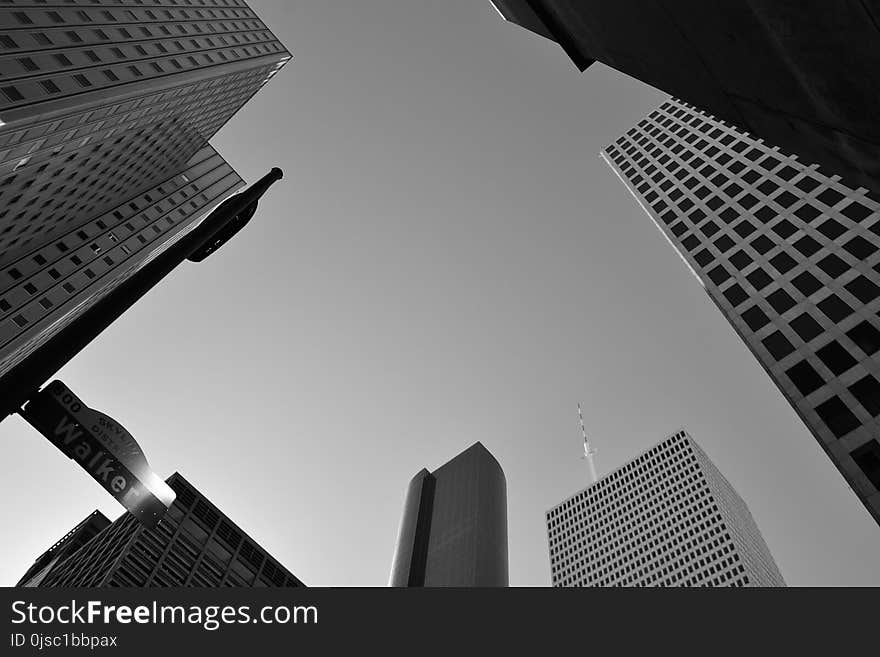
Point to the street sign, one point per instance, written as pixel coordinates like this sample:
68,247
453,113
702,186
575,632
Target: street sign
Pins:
103,448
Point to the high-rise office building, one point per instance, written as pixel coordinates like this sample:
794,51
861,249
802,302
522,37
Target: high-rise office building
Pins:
70,543
105,113
454,526
789,255
195,544
805,76
666,518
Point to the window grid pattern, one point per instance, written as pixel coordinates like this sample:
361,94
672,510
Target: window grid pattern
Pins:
195,544
744,531
88,566
71,273
789,254
101,100
71,542
56,174
666,518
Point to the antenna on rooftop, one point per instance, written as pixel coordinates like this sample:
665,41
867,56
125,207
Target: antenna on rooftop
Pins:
589,452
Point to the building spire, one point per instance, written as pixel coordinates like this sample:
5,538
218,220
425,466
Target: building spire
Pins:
589,452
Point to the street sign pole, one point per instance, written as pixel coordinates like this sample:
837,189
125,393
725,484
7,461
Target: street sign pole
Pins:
103,448
229,217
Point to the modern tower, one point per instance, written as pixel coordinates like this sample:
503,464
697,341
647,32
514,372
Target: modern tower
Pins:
789,255
70,543
106,109
195,544
666,518
454,526
805,76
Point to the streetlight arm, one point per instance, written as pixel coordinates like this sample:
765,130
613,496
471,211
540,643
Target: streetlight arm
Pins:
241,207
25,378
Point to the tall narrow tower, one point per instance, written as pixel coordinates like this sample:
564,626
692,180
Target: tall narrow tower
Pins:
454,526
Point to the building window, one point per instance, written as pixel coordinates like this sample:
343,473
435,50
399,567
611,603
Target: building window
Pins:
12,94
807,246
709,228
806,327
28,64
724,243
807,184
781,301
778,345
735,294
839,419
830,197
866,337
867,457
863,289
784,229
748,201
856,211
836,358
860,248
805,378
806,283
783,262
867,391
744,228
741,259
834,308
762,244
718,275
833,266
703,258
729,215
755,318
759,279
786,199
831,229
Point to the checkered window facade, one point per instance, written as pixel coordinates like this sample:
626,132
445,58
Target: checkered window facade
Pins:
666,518
790,255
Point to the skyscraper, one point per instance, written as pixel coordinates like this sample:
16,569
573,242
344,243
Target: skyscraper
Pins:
106,109
454,526
70,543
802,75
791,257
195,544
666,518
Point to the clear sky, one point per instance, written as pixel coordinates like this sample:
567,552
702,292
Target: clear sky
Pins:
446,260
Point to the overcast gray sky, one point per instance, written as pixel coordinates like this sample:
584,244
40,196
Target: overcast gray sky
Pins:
446,260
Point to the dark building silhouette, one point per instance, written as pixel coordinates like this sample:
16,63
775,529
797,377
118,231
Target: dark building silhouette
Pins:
85,531
106,110
195,544
454,526
805,76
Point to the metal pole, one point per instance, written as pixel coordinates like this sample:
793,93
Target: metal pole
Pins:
27,376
